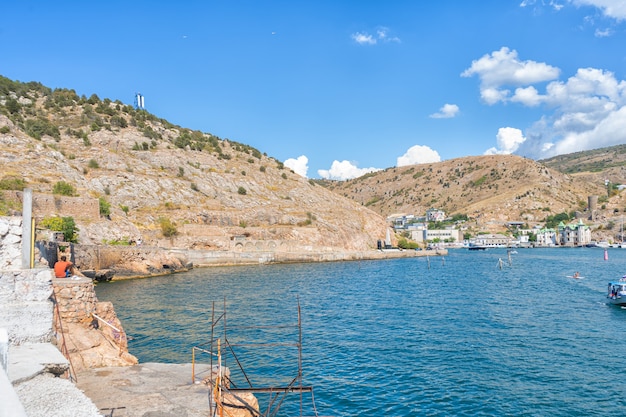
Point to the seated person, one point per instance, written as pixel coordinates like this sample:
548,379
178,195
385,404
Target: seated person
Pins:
63,268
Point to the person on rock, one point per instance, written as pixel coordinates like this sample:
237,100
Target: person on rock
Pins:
63,268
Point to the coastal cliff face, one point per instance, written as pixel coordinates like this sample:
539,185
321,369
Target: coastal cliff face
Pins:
86,329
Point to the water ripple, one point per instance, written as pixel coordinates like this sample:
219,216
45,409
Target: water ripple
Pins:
430,337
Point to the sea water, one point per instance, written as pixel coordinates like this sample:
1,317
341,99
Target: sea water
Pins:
469,334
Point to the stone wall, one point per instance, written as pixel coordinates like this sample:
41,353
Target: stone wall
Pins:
82,208
25,308
218,258
10,243
76,299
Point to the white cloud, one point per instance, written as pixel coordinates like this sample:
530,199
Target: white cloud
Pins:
382,35
503,68
493,95
418,154
604,33
446,112
582,112
344,170
298,165
609,131
587,112
508,139
615,9
363,38
528,96
612,9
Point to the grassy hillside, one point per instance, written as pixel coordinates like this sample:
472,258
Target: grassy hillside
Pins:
208,191
491,190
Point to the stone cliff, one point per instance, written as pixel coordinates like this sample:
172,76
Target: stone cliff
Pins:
86,329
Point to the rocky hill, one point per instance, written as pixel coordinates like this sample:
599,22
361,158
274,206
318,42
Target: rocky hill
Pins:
170,186
595,166
491,190
164,184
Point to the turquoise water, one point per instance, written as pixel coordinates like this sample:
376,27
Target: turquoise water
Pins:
452,336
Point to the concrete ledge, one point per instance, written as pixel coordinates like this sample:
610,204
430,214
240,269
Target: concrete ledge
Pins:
149,389
29,360
73,280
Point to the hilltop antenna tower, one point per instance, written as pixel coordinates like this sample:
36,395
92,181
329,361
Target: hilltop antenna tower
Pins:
139,101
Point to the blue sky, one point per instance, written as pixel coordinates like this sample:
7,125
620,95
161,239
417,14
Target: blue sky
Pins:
335,88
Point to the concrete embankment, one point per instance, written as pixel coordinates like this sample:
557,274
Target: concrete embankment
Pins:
225,258
148,389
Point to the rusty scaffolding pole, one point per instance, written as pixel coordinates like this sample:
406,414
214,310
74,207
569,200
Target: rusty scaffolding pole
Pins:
220,347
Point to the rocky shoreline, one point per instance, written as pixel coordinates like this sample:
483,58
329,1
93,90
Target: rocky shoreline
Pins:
146,262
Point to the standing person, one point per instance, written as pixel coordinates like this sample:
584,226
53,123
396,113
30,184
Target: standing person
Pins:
63,268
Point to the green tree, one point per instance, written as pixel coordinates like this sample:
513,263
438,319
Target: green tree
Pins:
93,99
553,221
62,224
403,243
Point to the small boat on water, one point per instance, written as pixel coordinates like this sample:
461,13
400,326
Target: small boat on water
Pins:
474,246
616,292
602,244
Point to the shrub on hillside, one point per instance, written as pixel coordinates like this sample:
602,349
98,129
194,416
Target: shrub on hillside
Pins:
37,128
64,188
105,207
168,228
12,183
62,224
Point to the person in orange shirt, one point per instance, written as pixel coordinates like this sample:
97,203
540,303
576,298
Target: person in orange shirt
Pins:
62,268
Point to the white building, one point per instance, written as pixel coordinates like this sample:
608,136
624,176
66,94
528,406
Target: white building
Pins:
547,237
574,234
425,235
434,215
493,241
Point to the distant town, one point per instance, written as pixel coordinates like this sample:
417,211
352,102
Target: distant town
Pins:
435,230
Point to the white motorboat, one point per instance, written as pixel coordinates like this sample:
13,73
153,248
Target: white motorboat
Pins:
616,292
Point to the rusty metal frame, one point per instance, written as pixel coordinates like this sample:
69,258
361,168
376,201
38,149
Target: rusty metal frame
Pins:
278,394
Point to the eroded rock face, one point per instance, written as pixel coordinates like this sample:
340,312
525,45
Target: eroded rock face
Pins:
89,331
116,261
235,407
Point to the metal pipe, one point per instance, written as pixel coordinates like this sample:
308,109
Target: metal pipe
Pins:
106,322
